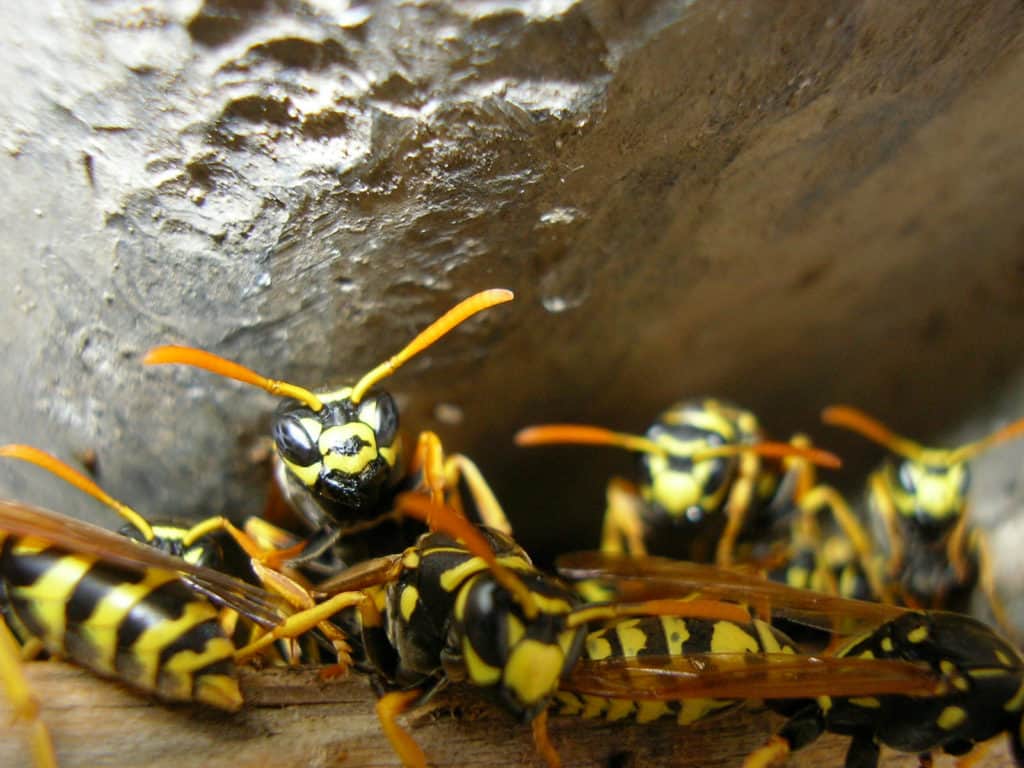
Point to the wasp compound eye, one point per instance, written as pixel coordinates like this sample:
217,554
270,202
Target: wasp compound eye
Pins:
294,441
380,414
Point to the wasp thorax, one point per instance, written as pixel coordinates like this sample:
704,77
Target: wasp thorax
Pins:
519,659
345,455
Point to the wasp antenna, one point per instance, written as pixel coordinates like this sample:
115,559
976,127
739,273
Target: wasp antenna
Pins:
969,451
772,450
583,434
857,421
72,476
442,518
455,316
198,358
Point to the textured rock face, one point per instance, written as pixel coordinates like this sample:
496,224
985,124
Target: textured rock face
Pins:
789,204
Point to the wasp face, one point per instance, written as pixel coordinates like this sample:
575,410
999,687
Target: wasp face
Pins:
691,490
519,660
345,455
931,496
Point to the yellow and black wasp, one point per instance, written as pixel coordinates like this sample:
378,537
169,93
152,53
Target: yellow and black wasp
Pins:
970,687
340,456
934,556
702,481
466,604
155,621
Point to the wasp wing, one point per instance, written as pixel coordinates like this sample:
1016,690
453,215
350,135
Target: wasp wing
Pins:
747,676
362,575
78,536
636,579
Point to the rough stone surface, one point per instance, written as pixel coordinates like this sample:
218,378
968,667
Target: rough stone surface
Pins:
789,204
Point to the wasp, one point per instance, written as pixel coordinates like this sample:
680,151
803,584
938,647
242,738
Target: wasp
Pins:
976,688
159,622
340,459
701,484
935,557
466,604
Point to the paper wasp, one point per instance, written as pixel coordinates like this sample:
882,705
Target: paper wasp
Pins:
340,457
935,557
702,482
131,611
466,604
977,678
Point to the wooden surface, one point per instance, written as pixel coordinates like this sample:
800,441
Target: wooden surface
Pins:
294,720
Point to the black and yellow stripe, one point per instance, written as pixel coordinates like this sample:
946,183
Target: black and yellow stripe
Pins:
142,626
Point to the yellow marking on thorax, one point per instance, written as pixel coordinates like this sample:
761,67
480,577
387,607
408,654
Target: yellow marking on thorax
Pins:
533,669
515,629
478,670
887,645
868,702
147,647
1003,658
918,635
632,639
550,605
411,559
676,633
867,654
824,704
1017,701
407,601
951,717
48,596
101,628
454,576
732,638
797,576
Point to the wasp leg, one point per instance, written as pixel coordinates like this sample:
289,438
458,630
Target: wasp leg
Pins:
622,520
863,752
736,509
24,704
799,731
886,508
542,739
299,623
389,707
488,508
987,582
924,760
975,755
428,460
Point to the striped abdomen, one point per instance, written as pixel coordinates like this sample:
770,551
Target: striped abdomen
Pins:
666,636
143,627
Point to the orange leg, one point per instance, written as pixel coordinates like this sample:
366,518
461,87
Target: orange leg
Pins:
772,753
24,704
542,739
389,707
622,520
736,510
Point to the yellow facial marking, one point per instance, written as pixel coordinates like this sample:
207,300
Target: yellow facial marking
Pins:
676,633
632,639
350,464
408,600
731,638
307,476
951,717
533,670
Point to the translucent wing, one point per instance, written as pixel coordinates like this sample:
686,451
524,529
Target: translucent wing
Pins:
77,536
747,676
648,578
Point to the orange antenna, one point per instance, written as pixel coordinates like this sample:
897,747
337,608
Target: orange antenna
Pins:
198,358
455,316
55,466
441,517
582,434
857,421
772,450
969,451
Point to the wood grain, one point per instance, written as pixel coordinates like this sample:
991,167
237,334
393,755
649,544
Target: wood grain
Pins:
294,720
